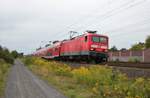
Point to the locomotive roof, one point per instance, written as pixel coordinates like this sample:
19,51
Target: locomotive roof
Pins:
86,34
94,34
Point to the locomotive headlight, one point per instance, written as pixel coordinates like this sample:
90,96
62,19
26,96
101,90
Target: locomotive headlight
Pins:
104,47
92,49
106,50
94,46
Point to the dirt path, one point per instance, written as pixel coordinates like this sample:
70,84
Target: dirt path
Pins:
23,84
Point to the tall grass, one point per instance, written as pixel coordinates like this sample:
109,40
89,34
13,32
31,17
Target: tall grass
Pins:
92,82
4,67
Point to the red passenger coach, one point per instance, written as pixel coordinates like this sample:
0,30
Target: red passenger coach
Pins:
54,50
50,52
89,46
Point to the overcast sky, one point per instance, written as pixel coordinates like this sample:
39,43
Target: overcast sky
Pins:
27,24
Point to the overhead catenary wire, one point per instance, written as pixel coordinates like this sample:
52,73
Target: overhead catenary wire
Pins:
113,12
129,35
85,18
131,32
118,11
133,25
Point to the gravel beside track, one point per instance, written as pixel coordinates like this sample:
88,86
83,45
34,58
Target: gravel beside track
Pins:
132,70
21,83
130,64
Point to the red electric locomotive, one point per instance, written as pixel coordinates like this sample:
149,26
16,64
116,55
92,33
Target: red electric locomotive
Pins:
89,46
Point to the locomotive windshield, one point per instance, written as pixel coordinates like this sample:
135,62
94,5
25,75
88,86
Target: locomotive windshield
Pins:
99,39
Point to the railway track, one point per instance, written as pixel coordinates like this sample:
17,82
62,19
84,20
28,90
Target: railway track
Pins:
115,64
132,70
129,64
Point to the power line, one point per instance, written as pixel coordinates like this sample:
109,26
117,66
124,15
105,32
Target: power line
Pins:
129,37
112,13
116,11
143,22
131,32
101,15
106,14
86,17
98,15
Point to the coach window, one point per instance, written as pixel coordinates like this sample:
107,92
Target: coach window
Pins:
85,38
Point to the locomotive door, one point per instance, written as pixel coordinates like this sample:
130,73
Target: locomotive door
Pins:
81,42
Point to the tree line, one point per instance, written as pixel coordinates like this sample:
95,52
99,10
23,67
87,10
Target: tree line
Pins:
137,46
9,56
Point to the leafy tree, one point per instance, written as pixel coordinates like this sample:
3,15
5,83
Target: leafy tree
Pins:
14,54
20,55
114,48
5,50
147,42
123,49
1,48
5,55
139,46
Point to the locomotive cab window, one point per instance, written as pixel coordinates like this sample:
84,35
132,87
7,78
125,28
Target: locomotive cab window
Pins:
99,39
95,39
85,39
103,39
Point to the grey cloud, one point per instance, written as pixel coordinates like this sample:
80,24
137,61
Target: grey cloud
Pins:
25,23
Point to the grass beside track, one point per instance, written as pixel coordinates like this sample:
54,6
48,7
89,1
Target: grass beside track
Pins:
4,67
89,82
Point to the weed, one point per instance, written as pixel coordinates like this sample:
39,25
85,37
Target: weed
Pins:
90,82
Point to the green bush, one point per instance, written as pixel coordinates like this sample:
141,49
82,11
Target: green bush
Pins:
134,60
63,71
28,60
6,55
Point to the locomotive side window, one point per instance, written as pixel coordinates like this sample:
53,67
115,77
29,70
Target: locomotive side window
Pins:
56,49
85,39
